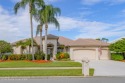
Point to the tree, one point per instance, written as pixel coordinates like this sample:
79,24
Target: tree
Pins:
39,18
102,39
33,5
118,47
39,30
48,16
5,47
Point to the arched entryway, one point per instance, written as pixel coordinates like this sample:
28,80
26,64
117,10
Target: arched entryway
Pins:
50,49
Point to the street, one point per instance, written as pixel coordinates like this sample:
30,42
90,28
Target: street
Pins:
64,80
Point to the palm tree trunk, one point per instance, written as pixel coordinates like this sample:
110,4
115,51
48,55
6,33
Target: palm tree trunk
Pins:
31,24
46,27
41,47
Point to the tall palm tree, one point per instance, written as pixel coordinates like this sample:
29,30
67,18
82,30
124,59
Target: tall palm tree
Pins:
38,17
48,16
39,30
32,9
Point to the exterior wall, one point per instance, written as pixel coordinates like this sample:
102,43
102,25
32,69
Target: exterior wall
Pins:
17,50
54,43
105,53
35,49
27,50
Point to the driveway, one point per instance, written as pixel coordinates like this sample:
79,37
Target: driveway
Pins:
108,68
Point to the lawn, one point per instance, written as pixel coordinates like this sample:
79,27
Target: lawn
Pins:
56,72
16,64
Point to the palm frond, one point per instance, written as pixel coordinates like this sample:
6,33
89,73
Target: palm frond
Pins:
21,4
54,21
38,29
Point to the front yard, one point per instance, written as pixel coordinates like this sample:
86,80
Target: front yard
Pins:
53,72
41,72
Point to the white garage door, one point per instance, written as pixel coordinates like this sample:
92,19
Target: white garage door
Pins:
80,54
105,54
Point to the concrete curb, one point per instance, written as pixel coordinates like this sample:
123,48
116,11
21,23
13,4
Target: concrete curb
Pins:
40,77
52,77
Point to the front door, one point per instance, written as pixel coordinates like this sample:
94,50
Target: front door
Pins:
50,51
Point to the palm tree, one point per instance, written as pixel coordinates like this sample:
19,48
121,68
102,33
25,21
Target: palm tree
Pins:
32,9
38,17
39,30
48,16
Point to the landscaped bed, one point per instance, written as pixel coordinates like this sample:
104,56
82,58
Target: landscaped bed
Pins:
56,72
16,64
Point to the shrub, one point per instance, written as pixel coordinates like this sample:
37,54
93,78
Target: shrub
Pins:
62,55
29,56
39,55
66,55
58,56
4,57
23,57
17,57
48,57
117,57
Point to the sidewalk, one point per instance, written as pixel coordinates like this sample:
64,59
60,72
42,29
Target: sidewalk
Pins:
35,68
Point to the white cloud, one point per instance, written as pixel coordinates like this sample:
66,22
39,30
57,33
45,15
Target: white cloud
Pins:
92,29
111,2
15,27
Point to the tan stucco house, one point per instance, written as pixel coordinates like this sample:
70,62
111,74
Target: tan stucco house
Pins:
78,49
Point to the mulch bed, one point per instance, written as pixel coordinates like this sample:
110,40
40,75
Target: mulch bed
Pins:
40,61
1,60
123,60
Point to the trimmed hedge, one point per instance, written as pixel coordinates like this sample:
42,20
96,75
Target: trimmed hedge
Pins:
39,56
117,57
62,55
17,57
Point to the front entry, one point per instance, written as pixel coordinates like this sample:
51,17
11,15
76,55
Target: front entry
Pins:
50,51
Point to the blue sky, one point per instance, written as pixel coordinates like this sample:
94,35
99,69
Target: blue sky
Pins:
79,19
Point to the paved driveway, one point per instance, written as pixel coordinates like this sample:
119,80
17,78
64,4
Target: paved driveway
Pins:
108,68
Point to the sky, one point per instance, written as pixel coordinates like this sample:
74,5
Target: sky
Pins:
78,19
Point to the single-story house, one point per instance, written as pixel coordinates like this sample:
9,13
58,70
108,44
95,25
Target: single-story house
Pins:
78,49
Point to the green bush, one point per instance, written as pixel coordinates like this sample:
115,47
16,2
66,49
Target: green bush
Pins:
58,56
23,57
117,57
4,57
29,56
19,57
66,55
62,55
48,57
39,56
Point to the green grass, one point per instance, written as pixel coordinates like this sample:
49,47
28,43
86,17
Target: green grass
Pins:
56,72
16,64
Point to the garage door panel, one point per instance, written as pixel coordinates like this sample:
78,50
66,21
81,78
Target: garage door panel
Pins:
105,54
80,54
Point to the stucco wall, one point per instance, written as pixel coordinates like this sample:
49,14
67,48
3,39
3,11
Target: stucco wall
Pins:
27,50
17,50
53,42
